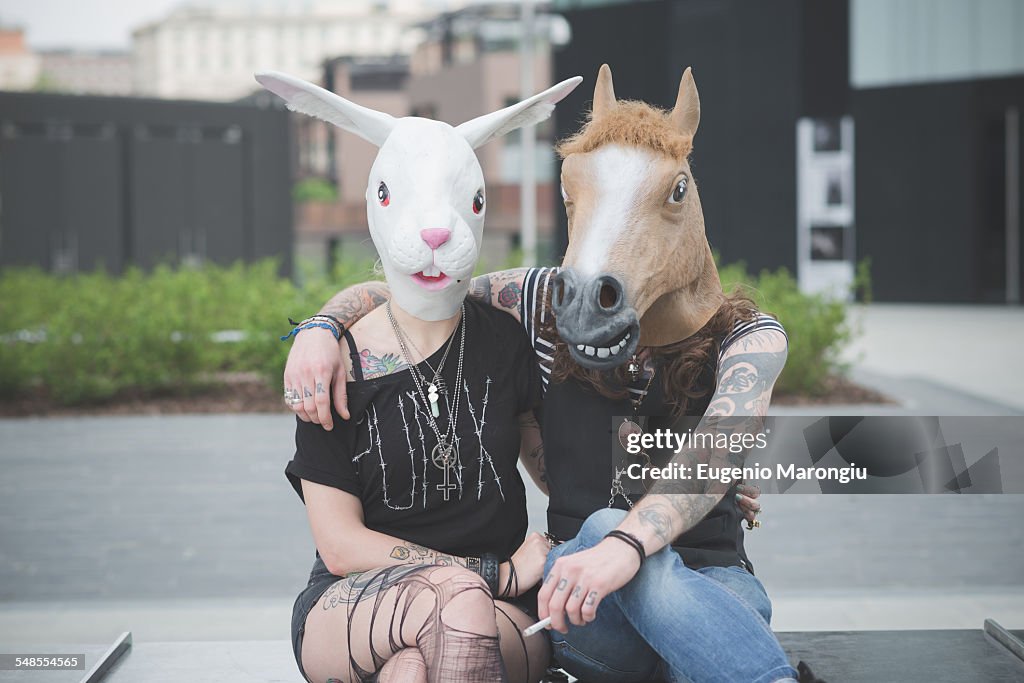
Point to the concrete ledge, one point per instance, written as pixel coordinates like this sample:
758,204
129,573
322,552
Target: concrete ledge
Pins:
835,656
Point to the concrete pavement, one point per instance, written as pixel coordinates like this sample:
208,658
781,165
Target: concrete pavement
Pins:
185,528
962,352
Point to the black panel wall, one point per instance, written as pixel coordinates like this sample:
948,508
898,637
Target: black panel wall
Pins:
931,185
755,65
90,181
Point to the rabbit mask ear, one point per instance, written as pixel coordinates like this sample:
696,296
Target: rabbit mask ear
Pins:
313,100
483,129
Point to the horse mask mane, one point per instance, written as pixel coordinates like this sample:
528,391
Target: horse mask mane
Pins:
425,201
638,268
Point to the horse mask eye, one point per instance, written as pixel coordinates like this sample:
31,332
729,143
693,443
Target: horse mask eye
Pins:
678,192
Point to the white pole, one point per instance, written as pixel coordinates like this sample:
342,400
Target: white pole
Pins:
528,173
1012,205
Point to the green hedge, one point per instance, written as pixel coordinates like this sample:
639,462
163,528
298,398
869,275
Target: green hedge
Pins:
817,326
91,336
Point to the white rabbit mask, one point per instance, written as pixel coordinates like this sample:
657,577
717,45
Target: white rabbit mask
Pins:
425,199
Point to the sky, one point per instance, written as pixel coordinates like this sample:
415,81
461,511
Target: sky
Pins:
81,23
96,23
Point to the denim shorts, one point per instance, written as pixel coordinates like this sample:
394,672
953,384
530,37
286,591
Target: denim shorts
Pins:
319,581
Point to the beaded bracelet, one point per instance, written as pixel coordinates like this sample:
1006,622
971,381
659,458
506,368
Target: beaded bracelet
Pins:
321,320
326,326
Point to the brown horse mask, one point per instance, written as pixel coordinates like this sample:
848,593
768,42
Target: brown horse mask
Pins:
638,270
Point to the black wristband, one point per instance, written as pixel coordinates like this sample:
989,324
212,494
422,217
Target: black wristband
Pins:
489,569
631,540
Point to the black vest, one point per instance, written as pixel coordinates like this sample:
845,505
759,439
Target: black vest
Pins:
580,469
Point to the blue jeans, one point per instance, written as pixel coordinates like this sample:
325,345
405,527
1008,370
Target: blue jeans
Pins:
672,623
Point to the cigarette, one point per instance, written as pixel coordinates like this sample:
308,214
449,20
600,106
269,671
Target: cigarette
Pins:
539,626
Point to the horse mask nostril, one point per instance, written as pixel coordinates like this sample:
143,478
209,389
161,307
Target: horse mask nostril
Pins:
564,291
608,296
609,293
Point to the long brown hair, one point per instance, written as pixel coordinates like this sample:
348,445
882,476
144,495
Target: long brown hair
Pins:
680,365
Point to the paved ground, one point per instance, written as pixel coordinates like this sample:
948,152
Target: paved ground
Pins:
184,528
973,350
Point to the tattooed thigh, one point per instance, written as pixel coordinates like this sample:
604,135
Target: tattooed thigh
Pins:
343,640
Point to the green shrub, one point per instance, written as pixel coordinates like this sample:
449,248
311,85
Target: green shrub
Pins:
314,190
91,336
817,326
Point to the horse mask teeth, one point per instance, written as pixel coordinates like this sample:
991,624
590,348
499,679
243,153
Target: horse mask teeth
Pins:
627,181
424,201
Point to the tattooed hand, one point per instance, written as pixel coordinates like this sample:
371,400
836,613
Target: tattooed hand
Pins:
578,582
315,368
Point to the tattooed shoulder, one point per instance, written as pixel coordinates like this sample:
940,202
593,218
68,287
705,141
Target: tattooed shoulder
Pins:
374,365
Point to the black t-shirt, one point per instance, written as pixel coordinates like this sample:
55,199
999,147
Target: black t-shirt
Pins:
383,454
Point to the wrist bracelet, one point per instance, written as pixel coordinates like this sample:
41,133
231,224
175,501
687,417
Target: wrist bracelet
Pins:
489,569
631,540
322,320
512,578
473,564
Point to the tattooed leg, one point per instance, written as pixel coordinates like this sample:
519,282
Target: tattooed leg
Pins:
364,620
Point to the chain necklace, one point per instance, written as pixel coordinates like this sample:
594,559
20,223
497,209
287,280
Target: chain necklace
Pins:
628,427
437,386
444,455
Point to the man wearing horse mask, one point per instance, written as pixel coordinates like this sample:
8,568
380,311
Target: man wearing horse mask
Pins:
655,584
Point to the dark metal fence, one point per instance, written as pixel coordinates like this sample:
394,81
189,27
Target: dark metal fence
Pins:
110,181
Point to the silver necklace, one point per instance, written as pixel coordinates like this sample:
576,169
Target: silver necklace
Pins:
444,455
437,386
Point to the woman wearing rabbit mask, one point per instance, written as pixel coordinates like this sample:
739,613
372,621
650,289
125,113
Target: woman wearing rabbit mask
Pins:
416,506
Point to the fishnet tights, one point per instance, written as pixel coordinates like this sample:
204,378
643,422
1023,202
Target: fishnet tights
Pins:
442,620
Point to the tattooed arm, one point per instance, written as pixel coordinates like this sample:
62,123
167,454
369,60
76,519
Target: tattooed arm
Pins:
347,546
503,290
351,304
746,376
314,367
531,451
745,381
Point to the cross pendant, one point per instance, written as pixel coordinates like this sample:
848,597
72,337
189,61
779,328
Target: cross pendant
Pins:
447,487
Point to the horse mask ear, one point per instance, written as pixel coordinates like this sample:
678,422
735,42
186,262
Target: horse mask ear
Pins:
686,114
483,129
306,98
604,93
